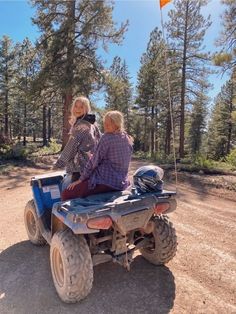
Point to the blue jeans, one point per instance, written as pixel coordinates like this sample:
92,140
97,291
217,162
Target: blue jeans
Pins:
66,181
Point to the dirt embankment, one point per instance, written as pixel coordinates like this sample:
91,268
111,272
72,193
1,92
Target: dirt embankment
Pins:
200,279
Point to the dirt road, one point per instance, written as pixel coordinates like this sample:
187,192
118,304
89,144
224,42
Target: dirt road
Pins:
200,279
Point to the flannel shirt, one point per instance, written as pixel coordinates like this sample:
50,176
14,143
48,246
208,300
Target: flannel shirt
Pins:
109,164
84,136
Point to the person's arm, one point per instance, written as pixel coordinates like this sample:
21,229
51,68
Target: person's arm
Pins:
69,152
99,154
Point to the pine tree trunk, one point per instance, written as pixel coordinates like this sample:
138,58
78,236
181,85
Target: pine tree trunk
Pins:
66,115
44,125
6,114
69,70
156,132
49,124
183,88
229,137
145,137
24,126
168,135
10,129
127,121
152,131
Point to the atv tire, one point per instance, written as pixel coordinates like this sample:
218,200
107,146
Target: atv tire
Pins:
164,242
32,225
71,266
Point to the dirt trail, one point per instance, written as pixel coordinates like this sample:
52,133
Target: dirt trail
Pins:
200,279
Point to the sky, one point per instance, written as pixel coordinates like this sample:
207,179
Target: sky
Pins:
143,16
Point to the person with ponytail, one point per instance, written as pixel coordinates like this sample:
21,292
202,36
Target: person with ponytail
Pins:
107,169
84,136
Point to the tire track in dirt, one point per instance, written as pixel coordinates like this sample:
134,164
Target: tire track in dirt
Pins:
206,254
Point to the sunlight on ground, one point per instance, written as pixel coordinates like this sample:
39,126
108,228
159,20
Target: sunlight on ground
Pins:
2,295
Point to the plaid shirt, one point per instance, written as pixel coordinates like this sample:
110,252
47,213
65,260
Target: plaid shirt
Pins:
110,163
83,139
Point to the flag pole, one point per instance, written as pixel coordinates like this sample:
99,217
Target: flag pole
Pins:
169,96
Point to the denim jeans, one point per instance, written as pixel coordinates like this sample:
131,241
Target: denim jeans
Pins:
66,181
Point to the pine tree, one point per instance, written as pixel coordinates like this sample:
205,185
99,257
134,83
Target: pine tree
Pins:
186,29
72,31
7,72
26,67
153,98
119,89
222,130
198,123
227,40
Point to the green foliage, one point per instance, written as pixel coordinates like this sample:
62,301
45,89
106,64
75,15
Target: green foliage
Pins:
203,162
142,155
227,39
187,27
18,151
52,148
160,158
231,158
221,129
15,151
7,83
197,123
152,99
119,89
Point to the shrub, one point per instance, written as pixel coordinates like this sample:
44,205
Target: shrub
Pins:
203,162
142,155
231,158
15,151
52,148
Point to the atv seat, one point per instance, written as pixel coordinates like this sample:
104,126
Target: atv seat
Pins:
107,197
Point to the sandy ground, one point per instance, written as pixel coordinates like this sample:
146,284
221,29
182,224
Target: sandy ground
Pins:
200,279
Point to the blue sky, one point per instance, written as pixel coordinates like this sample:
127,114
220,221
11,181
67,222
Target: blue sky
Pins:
143,16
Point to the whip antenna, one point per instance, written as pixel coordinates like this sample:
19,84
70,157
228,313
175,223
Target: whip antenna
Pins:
162,3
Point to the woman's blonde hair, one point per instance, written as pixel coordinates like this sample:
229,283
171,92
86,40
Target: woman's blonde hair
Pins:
86,104
117,118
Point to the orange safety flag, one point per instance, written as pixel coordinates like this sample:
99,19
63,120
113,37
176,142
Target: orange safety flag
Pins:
164,2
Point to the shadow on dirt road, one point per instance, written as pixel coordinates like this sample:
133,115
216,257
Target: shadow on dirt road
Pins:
26,286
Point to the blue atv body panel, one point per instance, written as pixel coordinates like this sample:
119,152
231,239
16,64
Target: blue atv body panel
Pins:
46,191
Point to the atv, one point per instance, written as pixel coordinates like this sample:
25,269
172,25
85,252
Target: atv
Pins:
85,232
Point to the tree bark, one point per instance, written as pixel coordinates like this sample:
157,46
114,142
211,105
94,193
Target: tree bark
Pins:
6,113
230,122
44,125
69,70
183,88
152,130
24,126
49,124
145,137
168,134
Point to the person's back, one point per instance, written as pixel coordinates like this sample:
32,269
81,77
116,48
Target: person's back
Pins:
114,165
84,136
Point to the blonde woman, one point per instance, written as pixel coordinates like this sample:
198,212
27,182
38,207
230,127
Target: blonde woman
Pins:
84,136
107,170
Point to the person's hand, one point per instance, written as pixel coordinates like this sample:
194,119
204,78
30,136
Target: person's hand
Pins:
72,185
54,167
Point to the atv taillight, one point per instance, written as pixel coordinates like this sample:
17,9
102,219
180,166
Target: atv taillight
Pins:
161,207
104,222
